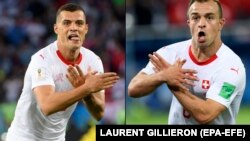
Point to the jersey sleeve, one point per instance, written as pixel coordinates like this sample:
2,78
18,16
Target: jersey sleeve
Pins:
40,72
229,82
97,65
167,53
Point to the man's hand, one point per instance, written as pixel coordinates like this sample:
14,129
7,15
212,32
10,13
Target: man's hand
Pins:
75,76
93,81
173,75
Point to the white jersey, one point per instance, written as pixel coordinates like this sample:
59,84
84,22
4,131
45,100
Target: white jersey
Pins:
222,78
47,67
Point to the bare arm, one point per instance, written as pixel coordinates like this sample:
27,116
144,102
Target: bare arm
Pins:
51,102
143,84
203,111
95,102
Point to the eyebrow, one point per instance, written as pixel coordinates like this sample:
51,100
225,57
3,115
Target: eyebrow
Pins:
207,14
73,20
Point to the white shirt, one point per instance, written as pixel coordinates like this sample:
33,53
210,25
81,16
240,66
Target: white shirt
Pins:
47,67
222,78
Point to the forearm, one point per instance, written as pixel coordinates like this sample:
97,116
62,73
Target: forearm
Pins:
143,84
201,110
52,102
96,104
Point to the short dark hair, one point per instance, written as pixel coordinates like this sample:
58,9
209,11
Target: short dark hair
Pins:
216,1
69,7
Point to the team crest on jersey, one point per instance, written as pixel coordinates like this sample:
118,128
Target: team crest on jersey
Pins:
40,73
205,84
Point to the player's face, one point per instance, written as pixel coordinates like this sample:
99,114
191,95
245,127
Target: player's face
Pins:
71,29
205,23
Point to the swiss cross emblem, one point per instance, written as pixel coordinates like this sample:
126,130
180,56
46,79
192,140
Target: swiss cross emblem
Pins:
205,84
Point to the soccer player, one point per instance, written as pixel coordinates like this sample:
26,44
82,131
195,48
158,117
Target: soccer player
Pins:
58,76
206,77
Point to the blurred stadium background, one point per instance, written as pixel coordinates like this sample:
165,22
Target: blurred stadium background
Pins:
152,24
27,26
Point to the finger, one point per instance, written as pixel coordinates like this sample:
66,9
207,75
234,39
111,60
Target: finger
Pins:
189,77
79,70
150,55
162,60
155,65
108,74
190,83
182,86
155,61
111,82
182,62
176,63
69,78
159,61
155,70
89,69
179,63
189,71
108,86
70,68
111,78
94,72
72,72
181,80
72,79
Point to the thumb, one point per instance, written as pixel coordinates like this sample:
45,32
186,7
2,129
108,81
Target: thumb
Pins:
91,71
177,62
182,62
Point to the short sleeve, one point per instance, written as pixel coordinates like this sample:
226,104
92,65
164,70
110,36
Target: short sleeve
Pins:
97,65
40,72
228,83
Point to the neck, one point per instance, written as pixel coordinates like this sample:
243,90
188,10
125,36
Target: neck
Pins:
69,54
203,53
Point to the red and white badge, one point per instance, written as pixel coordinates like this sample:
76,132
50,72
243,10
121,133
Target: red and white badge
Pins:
205,84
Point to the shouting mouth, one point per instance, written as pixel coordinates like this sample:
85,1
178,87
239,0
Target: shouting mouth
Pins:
201,37
74,37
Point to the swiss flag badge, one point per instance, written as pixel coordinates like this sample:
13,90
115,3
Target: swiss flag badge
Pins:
205,84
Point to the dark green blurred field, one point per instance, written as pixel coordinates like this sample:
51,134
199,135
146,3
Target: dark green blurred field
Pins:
142,115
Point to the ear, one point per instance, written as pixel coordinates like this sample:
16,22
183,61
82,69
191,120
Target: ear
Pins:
222,23
55,28
188,22
86,28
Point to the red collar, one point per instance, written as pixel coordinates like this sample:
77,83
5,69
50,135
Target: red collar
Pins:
211,59
78,61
